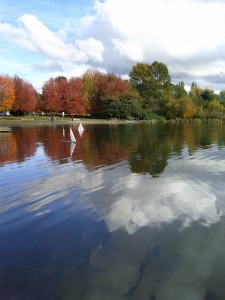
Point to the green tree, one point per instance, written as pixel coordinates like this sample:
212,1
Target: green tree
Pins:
195,94
153,83
178,90
215,109
208,95
221,97
122,106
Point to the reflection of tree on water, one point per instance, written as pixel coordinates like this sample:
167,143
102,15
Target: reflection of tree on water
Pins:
156,143
147,146
148,161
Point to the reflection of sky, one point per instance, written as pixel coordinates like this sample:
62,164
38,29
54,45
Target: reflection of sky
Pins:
190,189
31,162
175,264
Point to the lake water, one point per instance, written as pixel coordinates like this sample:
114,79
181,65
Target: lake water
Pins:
133,211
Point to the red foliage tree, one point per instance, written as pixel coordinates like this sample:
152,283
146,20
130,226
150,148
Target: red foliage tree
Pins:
25,96
63,93
103,85
76,102
116,85
50,96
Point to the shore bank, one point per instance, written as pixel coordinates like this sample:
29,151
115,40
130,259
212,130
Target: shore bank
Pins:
14,121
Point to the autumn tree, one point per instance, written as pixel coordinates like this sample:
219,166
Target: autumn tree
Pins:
180,108
7,93
63,92
173,109
75,103
215,109
89,80
50,96
25,96
98,86
38,102
189,109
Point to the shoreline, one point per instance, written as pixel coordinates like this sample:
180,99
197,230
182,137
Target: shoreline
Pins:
37,121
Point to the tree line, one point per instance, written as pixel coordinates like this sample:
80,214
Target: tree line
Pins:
148,94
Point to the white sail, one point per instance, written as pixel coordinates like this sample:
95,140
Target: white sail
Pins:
72,147
80,129
72,137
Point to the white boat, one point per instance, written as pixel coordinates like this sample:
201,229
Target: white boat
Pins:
80,129
72,148
72,137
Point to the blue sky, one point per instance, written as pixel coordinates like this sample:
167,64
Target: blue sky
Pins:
44,39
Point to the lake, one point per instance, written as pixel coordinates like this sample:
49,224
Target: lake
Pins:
131,211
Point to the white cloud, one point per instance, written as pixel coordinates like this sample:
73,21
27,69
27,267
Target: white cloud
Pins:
132,50
47,42
16,35
186,35
92,48
34,35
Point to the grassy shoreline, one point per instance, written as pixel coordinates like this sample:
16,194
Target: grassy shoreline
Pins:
27,120
46,120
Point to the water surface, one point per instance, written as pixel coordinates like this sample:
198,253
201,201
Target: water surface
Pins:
132,211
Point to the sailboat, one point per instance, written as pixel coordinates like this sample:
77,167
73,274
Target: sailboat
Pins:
72,148
72,137
80,129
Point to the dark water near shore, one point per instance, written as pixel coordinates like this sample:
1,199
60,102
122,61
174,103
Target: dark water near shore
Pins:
133,211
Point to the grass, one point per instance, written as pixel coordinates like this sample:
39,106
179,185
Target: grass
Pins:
10,120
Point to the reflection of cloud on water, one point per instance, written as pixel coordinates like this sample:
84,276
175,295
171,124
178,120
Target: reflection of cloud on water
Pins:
62,184
186,191
146,258
189,190
166,201
162,262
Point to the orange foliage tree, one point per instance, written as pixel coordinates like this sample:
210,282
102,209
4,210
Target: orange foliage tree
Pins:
189,108
7,93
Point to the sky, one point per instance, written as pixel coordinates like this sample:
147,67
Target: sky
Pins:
41,39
